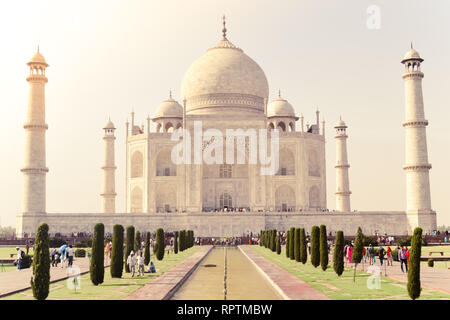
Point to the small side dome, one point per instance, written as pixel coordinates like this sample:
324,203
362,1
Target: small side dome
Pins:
109,125
280,108
340,124
38,58
169,108
412,55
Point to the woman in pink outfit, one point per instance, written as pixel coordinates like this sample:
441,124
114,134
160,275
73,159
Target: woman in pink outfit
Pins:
349,254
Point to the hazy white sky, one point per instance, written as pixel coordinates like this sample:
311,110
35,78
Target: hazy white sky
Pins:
107,57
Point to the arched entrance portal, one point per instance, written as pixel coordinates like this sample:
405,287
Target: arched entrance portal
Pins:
226,201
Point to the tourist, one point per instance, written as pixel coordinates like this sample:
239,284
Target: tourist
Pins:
70,255
62,252
364,254
371,254
349,253
140,262
19,258
407,256
402,258
345,253
151,268
309,247
131,261
381,254
367,257
389,256
57,259
52,254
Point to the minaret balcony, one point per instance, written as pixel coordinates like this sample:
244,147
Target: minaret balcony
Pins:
415,123
35,126
417,167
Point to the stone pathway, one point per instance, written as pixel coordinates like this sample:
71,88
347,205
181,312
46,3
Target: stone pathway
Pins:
289,286
163,287
430,278
16,281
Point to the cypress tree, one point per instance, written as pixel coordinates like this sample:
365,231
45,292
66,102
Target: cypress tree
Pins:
323,247
303,249
338,254
182,234
297,245
130,245
291,243
187,239
137,242
357,250
413,284
287,244
116,268
40,281
278,246
315,246
160,243
260,238
175,242
147,249
274,240
97,267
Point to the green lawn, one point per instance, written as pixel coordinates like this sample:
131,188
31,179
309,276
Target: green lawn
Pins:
112,288
343,287
6,250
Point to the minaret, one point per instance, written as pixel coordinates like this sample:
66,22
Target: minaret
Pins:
109,182
418,201
342,182
35,170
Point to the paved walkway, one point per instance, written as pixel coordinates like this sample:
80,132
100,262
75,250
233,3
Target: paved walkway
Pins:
163,287
431,278
16,281
289,286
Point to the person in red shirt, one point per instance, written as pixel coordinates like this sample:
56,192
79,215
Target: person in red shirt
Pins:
407,256
389,256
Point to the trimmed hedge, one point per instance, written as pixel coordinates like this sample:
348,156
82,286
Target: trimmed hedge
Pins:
413,284
315,246
159,244
137,242
303,248
116,267
338,254
430,263
292,243
129,246
80,253
40,281
287,244
147,249
359,246
323,247
175,242
297,244
278,244
96,268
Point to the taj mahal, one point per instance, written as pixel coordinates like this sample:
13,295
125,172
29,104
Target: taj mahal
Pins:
226,90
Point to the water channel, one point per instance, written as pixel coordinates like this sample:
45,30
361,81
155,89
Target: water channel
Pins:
226,273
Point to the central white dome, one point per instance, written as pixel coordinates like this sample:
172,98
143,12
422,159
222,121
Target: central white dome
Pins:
224,77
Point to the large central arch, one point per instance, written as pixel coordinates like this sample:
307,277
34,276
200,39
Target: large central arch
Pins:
284,199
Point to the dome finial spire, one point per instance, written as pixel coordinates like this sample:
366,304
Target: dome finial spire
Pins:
170,93
279,93
224,29
411,45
